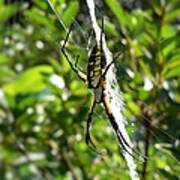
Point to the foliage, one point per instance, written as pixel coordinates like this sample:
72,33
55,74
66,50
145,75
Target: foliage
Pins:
44,107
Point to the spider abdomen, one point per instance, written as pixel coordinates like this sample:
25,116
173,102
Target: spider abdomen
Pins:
96,65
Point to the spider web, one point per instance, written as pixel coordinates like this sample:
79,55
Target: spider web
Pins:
122,105
112,81
116,103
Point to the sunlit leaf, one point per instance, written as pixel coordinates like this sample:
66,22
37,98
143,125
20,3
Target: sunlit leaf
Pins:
7,12
173,72
172,15
168,31
70,13
30,81
117,10
110,28
145,68
38,17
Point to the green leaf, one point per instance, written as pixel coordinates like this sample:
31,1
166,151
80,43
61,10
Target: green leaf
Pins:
138,78
111,29
25,170
38,17
169,45
7,12
134,107
168,31
117,10
174,61
167,41
143,95
173,72
172,15
3,58
145,68
136,47
41,4
6,73
160,163
70,13
30,81
1,3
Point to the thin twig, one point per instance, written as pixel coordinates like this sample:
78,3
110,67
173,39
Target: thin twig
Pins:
147,145
68,164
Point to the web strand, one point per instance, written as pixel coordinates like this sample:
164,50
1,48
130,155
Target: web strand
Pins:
115,104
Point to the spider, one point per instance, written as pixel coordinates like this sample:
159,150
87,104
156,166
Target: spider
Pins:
96,79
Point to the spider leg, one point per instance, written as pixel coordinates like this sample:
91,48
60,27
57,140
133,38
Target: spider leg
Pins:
89,121
101,38
124,144
101,45
77,58
109,65
79,73
89,141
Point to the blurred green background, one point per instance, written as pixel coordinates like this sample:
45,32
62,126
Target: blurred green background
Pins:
44,106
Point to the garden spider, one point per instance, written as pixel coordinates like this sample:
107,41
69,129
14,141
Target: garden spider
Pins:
96,79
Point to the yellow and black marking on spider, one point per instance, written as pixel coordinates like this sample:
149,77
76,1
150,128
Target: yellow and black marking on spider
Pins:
96,79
